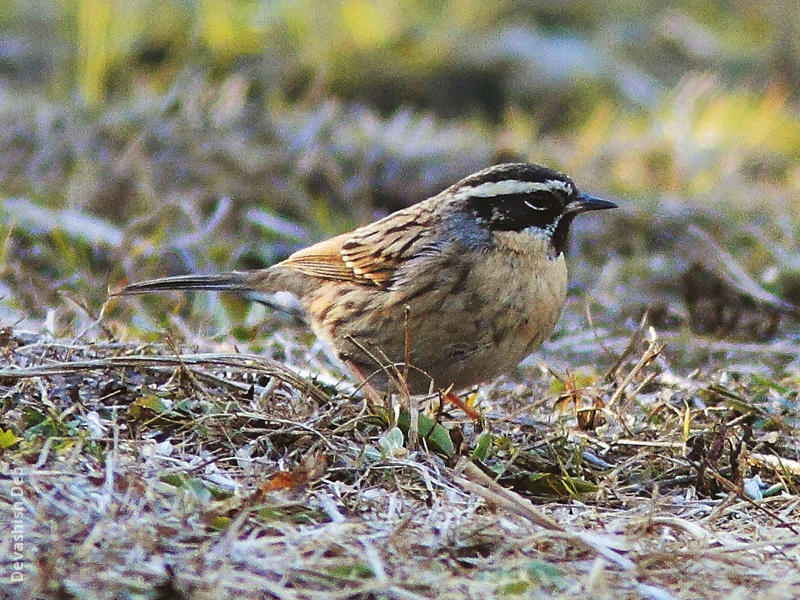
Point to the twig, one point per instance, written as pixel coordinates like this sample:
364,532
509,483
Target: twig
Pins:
476,481
630,348
237,361
653,350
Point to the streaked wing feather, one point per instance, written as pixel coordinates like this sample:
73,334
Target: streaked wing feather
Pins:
369,255
321,260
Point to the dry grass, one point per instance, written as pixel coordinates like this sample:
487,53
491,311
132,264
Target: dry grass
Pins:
145,474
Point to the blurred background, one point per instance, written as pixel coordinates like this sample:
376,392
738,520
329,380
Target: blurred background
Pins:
150,138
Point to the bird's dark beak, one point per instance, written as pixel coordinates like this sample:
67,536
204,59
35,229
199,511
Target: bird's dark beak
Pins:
585,202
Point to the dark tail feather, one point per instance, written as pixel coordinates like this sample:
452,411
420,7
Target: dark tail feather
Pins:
231,282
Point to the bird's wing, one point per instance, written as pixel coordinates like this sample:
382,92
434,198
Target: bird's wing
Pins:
370,255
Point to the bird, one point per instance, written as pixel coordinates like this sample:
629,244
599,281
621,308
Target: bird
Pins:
444,294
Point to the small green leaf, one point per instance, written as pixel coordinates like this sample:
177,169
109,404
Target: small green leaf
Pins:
7,438
481,451
147,406
357,570
38,422
173,479
32,416
270,514
557,387
543,572
436,436
391,441
514,588
199,488
219,522
584,379
764,383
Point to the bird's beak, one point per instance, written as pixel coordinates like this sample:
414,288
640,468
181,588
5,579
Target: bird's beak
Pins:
585,202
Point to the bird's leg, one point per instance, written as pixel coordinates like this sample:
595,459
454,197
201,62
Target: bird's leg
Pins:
459,403
363,383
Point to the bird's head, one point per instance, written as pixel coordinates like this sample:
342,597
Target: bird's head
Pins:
528,198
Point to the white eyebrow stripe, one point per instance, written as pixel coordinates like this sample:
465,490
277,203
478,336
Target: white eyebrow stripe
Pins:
507,187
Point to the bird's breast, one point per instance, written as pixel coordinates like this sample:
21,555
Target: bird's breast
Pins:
526,290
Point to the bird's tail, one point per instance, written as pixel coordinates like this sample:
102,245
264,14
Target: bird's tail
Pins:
258,286
234,281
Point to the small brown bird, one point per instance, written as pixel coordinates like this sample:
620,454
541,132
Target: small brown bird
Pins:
451,291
